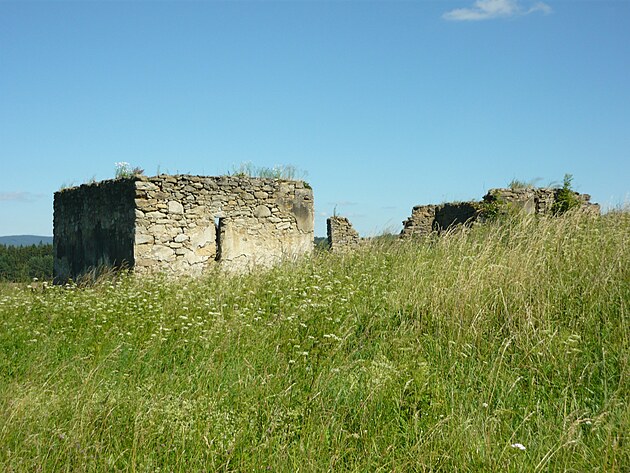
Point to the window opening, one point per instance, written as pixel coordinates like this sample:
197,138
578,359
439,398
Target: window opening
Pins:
218,229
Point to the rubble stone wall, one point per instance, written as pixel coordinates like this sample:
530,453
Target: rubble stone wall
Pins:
537,200
425,219
186,222
421,221
341,235
438,218
181,224
457,213
93,228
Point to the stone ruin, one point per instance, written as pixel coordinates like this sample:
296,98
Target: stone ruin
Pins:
187,224
181,224
341,235
426,219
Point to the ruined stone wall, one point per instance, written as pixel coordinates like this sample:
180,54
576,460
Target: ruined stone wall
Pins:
93,228
184,223
341,235
453,214
181,224
537,200
420,222
436,218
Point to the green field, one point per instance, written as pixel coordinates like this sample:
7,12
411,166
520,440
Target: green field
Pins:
500,348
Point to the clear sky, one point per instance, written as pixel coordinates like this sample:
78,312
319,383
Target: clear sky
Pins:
385,104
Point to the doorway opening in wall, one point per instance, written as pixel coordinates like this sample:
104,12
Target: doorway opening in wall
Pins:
218,229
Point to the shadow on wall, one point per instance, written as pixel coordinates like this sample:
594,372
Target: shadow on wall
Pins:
181,224
426,219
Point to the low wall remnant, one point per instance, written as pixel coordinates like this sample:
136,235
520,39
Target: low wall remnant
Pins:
426,219
341,235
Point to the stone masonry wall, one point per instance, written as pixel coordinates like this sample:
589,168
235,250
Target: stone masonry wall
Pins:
181,224
420,222
436,218
537,200
93,228
186,222
457,213
341,235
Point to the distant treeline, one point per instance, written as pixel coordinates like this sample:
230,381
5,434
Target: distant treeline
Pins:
23,263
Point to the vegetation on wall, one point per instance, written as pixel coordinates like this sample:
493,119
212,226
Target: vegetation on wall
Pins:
565,197
491,209
279,171
125,171
516,184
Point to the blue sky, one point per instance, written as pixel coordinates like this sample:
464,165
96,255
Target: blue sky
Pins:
384,104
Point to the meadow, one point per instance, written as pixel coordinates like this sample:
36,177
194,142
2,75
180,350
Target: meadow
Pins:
504,347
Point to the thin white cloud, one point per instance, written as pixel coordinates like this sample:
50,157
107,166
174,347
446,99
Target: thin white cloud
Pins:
539,6
491,9
18,197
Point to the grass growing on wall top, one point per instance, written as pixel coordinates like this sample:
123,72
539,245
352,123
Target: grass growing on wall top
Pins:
279,171
449,354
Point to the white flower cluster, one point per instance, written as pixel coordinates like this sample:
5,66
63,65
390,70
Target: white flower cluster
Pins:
123,169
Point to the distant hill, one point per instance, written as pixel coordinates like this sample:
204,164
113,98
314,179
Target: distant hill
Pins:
25,240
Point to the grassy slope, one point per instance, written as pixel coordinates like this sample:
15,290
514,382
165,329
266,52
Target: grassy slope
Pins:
423,356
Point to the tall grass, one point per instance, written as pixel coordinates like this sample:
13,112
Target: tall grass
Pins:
279,171
445,354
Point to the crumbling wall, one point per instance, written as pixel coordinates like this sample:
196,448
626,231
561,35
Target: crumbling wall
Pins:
341,235
437,218
183,224
537,200
420,222
93,228
186,222
453,214
425,219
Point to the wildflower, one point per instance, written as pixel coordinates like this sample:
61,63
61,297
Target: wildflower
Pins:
485,404
520,446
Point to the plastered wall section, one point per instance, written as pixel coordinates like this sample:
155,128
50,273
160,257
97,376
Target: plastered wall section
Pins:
93,228
185,224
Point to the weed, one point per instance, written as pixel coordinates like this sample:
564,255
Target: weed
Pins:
565,198
503,348
125,171
281,171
